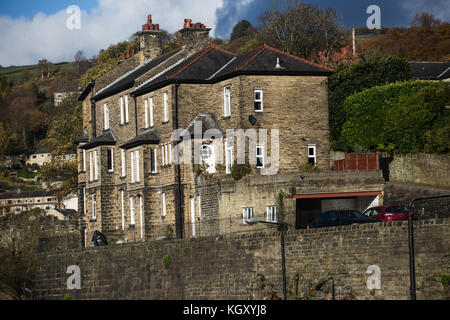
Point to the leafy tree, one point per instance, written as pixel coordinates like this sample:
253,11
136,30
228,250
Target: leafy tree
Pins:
107,60
355,77
61,177
240,30
65,127
333,59
302,29
427,40
402,117
5,139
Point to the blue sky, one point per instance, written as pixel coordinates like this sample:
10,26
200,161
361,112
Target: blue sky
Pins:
33,30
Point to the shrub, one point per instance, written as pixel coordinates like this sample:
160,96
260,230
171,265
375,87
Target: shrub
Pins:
166,260
356,77
308,167
400,117
239,171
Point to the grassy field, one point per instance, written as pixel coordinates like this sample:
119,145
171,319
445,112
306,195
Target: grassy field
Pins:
17,73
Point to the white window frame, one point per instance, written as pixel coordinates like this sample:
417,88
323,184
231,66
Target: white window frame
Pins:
122,111
95,165
166,155
247,214
152,109
154,164
260,157
124,163
84,202
94,207
141,210
166,107
227,101
164,209
163,160
132,166
127,114
272,212
312,147
132,212
261,100
137,157
170,154
122,195
229,155
112,160
146,114
84,160
106,116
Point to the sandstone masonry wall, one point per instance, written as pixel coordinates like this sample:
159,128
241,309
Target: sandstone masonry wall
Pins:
228,268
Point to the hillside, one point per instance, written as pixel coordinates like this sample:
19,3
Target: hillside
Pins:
19,74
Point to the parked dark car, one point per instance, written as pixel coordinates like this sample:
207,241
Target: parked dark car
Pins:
341,218
388,213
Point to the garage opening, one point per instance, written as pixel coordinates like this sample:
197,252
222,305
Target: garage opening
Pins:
311,206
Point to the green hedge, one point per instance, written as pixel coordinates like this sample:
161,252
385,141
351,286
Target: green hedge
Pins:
352,78
404,117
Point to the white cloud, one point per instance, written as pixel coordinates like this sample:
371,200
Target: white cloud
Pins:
24,41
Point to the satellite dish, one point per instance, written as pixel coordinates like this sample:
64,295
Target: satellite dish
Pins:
252,120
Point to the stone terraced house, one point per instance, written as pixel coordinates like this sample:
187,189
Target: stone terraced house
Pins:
132,189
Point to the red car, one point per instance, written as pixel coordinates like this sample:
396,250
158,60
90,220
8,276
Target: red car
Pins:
388,213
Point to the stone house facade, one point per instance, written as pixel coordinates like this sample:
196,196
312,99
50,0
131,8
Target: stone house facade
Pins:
147,116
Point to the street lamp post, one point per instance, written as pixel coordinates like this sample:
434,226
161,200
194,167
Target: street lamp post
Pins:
283,228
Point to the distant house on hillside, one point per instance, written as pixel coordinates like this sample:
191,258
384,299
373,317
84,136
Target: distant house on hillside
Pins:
60,97
435,71
16,202
43,156
39,156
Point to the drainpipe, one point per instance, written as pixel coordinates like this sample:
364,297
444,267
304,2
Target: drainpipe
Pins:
180,218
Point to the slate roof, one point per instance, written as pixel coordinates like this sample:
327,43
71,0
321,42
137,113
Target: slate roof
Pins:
213,64
82,138
26,194
264,61
149,136
208,121
66,212
127,80
107,138
430,70
86,91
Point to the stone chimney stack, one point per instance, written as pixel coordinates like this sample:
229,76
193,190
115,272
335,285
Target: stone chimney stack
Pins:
150,39
194,36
